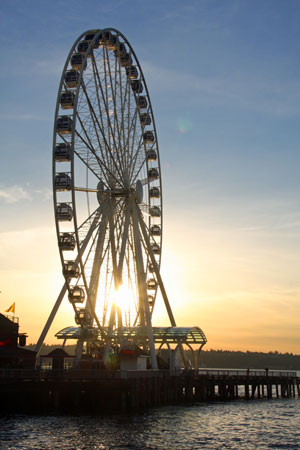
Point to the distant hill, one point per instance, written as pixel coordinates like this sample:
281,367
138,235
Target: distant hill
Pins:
224,359
251,360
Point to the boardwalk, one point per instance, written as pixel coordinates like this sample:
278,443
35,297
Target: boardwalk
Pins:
98,392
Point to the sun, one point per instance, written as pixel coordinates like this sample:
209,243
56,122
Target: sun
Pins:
124,299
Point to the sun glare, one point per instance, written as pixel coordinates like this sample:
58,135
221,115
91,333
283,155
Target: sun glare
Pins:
124,299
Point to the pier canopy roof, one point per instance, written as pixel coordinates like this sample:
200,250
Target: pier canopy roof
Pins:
171,335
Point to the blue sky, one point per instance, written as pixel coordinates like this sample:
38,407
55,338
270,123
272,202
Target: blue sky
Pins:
224,81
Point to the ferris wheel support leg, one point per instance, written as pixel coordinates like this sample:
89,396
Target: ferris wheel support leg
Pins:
115,271
50,320
160,282
142,284
124,242
156,270
93,286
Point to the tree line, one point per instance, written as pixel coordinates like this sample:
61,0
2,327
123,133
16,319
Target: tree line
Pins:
223,359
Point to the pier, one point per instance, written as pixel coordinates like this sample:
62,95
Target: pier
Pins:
102,392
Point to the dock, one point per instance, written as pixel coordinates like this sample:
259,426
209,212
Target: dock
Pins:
78,391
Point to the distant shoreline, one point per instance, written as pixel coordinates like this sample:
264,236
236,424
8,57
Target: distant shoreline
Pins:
224,358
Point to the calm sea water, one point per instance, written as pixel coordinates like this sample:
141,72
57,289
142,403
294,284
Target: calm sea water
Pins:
258,424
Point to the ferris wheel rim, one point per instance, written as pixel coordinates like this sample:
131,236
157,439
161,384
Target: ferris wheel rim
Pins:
73,191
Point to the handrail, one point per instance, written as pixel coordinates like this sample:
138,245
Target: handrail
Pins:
96,374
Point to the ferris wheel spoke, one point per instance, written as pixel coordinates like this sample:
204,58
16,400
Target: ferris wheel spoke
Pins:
130,135
124,96
82,159
95,274
97,127
96,212
139,170
134,158
104,97
98,87
116,123
124,241
87,227
96,123
109,81
88,166
101,163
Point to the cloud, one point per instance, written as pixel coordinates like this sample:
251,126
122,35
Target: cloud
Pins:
14,194
46,194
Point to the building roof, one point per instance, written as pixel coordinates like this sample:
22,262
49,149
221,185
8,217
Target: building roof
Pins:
185,335
17,351
57,353
8,324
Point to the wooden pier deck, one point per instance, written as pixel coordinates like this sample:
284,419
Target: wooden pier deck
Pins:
99,392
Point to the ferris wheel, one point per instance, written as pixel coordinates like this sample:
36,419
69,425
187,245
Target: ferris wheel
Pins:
107,189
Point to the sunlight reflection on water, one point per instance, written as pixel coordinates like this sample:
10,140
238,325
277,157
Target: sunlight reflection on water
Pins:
239,425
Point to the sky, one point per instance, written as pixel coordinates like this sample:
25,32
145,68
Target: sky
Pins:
224,82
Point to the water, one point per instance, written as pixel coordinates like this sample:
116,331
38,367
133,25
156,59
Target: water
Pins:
260,424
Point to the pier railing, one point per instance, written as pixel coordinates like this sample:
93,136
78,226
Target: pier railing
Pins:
245,373
89,374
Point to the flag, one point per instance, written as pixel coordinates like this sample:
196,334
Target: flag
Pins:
11,308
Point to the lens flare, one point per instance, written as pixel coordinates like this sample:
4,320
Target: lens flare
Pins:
184,125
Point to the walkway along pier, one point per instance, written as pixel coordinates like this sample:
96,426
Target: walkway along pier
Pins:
100,392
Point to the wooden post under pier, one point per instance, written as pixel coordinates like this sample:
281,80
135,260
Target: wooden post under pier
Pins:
99,392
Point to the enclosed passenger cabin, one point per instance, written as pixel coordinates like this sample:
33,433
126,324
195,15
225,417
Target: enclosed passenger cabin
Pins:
142,102
108,40
155,211
112,43
151,155
76,295
155,230
154,192
64,212
126,60
120,50
150,300
82,317
132,72
71,78
66,241
62,182
145,119
148,137
137,86
67,100
77,61
151,284
89,37
155,248
71,269
151,267
153,174
62,152
82,47
64,125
